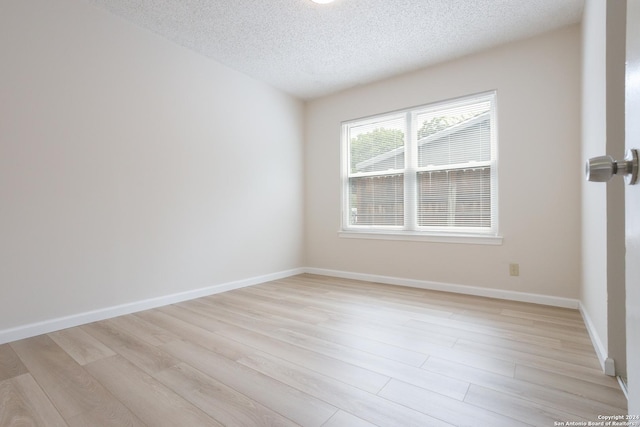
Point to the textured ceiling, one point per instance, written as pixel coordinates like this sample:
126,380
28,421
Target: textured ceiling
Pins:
310,50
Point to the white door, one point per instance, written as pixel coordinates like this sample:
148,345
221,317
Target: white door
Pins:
632,209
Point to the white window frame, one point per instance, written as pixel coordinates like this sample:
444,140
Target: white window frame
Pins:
411,230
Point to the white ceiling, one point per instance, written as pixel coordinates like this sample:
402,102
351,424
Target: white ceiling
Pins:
310,50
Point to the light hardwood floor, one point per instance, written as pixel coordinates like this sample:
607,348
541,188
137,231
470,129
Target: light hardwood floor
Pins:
313,351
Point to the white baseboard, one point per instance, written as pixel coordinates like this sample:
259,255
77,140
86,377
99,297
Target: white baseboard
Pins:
624,387
607,364
44,327
448,287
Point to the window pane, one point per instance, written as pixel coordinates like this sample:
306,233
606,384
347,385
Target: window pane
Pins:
455,198
377,200
454,136
377,146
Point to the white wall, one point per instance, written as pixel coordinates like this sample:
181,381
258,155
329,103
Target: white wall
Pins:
602,288
538,84
132,168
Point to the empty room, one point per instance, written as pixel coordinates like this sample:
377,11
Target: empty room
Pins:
319,213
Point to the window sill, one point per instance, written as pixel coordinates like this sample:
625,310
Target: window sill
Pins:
469,239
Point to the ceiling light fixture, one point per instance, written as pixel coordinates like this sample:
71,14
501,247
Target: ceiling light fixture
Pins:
322,1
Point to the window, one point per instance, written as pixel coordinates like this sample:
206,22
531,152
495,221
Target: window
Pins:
425,171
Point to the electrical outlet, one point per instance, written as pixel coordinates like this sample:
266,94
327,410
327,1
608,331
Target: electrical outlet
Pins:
514,269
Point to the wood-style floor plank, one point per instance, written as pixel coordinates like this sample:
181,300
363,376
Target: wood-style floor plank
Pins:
298,406
518,354
313,351
193,333
475,332
81,346
10,364
575,386
551,397
359,342
154,403
370,407
516,407
400,336
445,408
553,319
303,325
143,330
348,373
221,402
23,403
441,383
593,375
147,357
345,419
272,306
69,386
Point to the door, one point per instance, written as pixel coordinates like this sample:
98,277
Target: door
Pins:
632,207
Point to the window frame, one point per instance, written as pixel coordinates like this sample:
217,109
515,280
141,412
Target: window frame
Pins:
411,230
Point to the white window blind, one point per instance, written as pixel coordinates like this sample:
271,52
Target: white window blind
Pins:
430,169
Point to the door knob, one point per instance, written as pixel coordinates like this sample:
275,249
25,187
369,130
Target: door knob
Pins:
601,169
